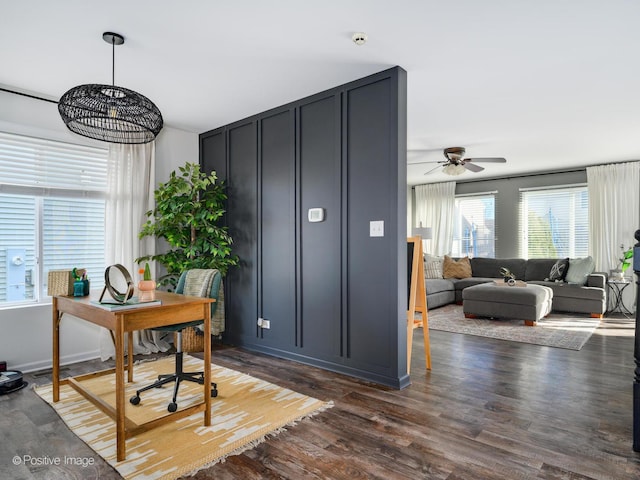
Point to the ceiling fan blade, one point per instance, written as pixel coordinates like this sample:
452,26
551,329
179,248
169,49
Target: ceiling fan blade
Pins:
472,167
430,161
487,160
432,170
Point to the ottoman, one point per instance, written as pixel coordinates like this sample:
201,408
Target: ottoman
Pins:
527,302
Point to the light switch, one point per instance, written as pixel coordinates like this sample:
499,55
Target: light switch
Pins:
376,228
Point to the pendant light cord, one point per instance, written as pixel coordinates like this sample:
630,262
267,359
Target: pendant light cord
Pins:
113,61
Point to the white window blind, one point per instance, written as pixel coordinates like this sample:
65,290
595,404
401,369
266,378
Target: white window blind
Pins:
554,222
474,230
51,214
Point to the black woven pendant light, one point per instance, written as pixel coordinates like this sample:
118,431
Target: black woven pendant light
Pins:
109,113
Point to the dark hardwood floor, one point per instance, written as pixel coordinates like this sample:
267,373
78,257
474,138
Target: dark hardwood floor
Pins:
489,409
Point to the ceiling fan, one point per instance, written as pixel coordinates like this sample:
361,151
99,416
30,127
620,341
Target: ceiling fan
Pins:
456,164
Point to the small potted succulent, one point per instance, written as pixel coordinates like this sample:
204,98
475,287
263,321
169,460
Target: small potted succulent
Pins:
146,286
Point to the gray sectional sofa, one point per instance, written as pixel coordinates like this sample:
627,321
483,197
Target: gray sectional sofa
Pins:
590,298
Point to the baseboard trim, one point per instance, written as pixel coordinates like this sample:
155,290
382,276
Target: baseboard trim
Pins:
393,382
64,360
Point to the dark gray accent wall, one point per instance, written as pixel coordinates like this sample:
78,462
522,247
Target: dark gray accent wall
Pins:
335,296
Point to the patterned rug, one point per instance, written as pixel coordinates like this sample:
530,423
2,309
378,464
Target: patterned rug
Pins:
244,413
557,330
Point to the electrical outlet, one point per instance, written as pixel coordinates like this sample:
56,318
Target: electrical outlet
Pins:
266,323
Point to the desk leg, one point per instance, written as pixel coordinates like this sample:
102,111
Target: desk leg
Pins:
207,364
121,452
56,350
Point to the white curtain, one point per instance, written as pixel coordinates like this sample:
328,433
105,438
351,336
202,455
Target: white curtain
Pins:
130,186
435,207
614,215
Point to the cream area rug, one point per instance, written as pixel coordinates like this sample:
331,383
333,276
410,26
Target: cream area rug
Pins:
244,413
557,330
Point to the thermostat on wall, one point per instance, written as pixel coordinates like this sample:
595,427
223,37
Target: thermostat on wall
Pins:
316,215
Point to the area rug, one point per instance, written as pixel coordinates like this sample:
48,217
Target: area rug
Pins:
557,330
245,412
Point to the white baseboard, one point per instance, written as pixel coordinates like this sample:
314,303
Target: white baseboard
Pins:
65,360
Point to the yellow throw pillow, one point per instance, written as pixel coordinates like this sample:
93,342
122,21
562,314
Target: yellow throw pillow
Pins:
459,269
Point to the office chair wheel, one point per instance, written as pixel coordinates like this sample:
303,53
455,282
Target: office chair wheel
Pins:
173,406
135,400
214,392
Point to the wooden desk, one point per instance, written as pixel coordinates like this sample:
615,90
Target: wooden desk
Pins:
174,309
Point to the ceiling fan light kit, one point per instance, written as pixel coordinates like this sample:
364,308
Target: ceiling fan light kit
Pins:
110,113
453,169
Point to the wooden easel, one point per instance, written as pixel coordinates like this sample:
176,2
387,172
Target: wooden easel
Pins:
417,299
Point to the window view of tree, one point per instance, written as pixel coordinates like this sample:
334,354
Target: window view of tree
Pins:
540,242
555,222
474,230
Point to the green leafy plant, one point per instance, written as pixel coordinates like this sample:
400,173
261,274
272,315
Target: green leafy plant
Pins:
187,214
627,255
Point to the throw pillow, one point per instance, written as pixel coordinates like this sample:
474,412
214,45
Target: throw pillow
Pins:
559,270
579,270
459,269
432,266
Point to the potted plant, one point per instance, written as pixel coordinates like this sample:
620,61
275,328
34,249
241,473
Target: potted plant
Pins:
618,274
187,215
146,286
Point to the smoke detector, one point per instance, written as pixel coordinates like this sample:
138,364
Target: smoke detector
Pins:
359,38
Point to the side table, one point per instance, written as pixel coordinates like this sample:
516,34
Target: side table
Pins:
616,287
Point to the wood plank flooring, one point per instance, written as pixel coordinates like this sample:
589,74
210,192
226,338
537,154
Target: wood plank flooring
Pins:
489,409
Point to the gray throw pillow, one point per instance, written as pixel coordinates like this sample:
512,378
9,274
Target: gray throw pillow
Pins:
559,270
432,266
579,270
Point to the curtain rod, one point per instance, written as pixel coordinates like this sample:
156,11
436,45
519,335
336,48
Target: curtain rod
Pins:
27,95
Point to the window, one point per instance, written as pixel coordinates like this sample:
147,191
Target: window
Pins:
52,204
555,222
474,230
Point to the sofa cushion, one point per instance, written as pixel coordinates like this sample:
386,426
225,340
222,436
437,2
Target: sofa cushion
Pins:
456,269
439,299
436,285
559,270
490,267
579,270
538,268
568,290
471,281
433,266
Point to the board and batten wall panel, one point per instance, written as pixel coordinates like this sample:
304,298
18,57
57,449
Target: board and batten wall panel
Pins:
335,296
320,242
368,258
241,302
277,278
213,154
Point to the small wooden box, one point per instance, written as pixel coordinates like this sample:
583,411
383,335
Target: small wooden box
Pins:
59,282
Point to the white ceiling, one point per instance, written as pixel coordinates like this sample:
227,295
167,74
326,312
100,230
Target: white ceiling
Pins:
548,84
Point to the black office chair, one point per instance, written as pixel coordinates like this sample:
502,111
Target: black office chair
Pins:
179,375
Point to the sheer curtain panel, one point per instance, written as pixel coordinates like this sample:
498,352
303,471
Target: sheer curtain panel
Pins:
614,214
435,208
130,186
